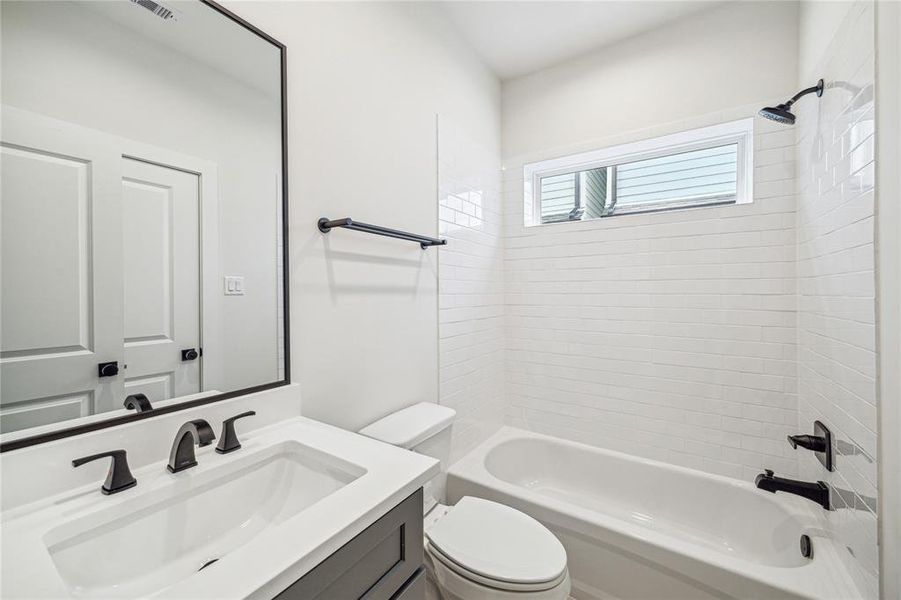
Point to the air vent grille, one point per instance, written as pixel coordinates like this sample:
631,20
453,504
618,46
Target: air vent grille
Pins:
156,8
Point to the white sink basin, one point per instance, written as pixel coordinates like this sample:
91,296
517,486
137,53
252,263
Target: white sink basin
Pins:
267,514
178,533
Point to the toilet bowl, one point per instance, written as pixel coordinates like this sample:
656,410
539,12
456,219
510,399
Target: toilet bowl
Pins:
485,550
476,549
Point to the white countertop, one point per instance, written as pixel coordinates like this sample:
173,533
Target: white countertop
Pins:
262,567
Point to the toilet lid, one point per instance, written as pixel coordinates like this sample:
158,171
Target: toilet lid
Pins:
498,542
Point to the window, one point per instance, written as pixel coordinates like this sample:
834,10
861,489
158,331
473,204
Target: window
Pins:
702,167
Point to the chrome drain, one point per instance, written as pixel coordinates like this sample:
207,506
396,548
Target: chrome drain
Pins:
206,564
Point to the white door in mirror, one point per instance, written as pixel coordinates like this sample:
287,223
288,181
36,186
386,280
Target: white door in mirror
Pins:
100,278
61,273
161,255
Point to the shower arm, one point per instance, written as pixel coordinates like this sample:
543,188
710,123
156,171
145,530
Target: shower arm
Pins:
818,89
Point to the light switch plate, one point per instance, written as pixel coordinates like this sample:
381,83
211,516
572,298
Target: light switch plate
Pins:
234,285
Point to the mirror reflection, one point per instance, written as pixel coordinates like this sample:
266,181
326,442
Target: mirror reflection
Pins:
141,208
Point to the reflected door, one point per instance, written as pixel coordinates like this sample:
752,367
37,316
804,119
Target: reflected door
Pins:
100,264
161,256
61,271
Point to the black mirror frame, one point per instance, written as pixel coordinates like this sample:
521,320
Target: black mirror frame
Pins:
65,432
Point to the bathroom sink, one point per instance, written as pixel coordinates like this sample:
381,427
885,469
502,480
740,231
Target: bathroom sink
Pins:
170,534
244,525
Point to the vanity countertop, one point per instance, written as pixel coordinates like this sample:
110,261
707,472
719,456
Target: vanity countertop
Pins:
274,546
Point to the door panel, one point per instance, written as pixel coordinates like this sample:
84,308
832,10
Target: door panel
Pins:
48,410
161,250
147,231
46,209
61,269
152,386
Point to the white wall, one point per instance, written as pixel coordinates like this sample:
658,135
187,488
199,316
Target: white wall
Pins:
714,60
668,335
836,295
818,23
365,82
471,286
66,62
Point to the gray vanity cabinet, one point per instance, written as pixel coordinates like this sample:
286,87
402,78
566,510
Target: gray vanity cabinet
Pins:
384,562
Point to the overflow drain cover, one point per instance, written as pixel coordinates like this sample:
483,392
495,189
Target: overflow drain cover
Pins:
206,564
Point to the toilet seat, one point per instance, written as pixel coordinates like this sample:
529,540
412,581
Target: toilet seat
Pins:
497,546
506,586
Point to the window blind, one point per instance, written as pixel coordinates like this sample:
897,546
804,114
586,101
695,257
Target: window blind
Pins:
708,174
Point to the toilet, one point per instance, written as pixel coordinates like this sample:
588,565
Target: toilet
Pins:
476,549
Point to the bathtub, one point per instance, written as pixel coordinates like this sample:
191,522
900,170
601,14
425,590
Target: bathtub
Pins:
642,529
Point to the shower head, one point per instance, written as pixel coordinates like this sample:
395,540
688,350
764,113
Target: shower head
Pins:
782,113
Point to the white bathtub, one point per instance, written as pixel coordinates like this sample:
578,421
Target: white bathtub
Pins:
642,529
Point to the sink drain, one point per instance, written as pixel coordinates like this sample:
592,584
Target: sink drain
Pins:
206,564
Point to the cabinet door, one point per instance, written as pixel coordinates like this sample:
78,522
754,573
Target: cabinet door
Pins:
61,270
375,565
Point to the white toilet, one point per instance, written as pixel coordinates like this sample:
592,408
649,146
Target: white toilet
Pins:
476,549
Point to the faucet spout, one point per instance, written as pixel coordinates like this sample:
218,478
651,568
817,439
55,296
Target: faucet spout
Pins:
182,456
816,491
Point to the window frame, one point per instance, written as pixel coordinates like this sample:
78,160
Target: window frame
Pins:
740,133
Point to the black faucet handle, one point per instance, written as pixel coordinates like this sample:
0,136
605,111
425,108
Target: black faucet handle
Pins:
816,443
119,477
228,439
769,472
137,402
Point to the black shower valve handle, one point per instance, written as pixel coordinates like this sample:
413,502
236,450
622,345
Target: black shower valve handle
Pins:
816,443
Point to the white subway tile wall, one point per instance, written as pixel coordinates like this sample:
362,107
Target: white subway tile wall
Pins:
667,335
836,295
470,286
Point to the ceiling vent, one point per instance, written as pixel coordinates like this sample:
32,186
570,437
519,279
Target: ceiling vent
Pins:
156,8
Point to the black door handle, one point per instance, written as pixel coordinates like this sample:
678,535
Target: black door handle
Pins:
108,369
189,354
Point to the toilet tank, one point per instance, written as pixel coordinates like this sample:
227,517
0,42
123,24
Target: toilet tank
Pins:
424,428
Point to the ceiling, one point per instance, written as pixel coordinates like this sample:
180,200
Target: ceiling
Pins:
519,37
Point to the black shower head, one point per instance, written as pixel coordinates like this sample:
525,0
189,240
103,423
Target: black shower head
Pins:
782,113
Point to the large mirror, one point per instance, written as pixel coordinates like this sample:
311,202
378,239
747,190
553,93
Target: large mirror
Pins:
142,210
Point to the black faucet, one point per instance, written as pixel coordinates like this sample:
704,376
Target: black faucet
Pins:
818,492
181,456
137,402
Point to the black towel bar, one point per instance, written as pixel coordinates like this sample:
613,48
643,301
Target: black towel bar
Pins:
325,225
